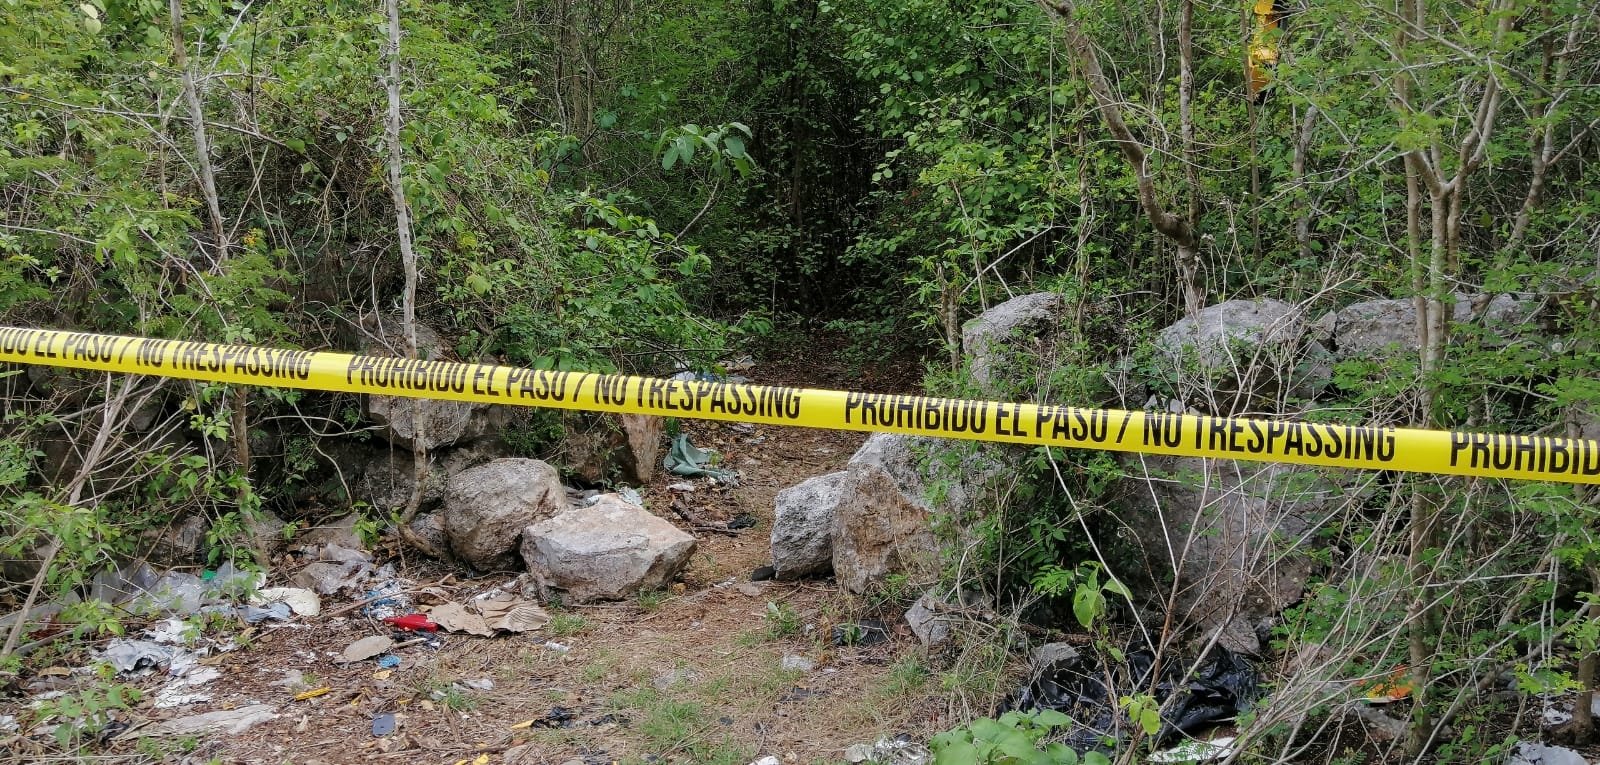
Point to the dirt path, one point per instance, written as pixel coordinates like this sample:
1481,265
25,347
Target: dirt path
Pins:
697,674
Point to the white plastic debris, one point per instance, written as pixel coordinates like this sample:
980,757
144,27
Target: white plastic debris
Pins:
301,601
1195,751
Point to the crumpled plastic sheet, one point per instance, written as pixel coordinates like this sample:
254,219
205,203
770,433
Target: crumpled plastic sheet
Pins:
130,656
691,461
1223,686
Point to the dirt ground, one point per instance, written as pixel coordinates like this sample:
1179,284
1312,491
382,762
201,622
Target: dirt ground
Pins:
694,674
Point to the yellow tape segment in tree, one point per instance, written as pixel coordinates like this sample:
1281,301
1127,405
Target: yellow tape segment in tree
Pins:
1539,458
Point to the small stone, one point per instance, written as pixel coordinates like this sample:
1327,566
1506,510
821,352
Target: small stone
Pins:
794,663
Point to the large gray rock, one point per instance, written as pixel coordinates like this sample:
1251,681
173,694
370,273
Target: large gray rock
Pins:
802,532
602,447
385,479
992,340
1237,356
443,422
882,524
1238,533
607,551
1380,329
487,507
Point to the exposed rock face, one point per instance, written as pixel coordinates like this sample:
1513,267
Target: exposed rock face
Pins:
179,544
1239,530
1000,332
600,447
607,551
444,422
487,507
881,525
927,620
802,533
1238,355
385,479
339,531
1379,329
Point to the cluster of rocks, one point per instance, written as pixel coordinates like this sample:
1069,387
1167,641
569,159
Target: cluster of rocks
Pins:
1232,536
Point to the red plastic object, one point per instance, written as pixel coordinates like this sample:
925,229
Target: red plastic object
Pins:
412,622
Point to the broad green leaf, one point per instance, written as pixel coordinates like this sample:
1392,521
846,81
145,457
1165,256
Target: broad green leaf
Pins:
958,753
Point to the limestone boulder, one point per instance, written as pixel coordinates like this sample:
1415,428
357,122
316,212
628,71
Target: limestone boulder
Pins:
998,339
1237,356
487,507
602,447
882,524
443,422
802,531
1380,329
607,551
1242,533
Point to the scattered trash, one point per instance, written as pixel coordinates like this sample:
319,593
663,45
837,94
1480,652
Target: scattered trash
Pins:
383,725
504,611
681,487
482,684
171,632
1222,686
489,613
456,618
366,648
169,697
9,724
690,461
557,647
413,622
630,495
130,656
302,601
1195,751
768,760
742,521
276,612
1534,754
382,674
1391,689
233,721
863,633
900,750
793,663
313,693
390,602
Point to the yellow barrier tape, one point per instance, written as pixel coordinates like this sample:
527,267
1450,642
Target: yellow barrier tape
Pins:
1352,446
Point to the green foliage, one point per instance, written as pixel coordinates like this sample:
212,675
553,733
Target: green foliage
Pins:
80,715
1014,739
782,621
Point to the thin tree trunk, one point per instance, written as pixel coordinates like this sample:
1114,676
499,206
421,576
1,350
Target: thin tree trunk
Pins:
1302,148
408,260
91,462
1176,228
202,145
239,423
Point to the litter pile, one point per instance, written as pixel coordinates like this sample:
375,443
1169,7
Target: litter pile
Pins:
1221,686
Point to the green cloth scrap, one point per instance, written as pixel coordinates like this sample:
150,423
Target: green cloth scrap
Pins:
691,461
